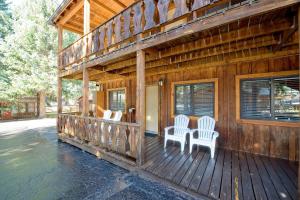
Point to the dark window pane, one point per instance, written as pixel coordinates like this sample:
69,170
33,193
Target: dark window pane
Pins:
195,99
286,99
256,99
203,99
117,100
183,99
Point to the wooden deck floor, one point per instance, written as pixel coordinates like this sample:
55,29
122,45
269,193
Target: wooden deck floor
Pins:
229,174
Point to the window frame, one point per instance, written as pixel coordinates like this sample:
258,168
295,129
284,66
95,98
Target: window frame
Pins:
116,89
270,75
216,102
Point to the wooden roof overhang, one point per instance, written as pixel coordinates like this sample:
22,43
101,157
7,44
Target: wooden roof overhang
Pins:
258,34
69,15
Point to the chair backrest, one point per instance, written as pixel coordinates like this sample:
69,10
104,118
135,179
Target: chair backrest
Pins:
107,114
118,116
181,121
206,126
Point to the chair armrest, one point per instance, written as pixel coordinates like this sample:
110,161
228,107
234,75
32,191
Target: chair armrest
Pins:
216,134
167,129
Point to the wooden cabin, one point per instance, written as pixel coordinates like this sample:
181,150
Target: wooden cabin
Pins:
236,61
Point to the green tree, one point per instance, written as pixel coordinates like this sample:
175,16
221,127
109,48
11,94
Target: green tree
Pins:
29,53
5,19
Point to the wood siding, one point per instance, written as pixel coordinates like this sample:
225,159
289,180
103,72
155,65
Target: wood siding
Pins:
269,140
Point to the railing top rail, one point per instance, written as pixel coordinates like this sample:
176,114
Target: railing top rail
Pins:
103,120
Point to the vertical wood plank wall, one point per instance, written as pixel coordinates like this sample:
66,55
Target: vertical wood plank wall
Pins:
268,140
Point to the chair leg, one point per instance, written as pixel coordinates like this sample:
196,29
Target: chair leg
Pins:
191,147
182,146
165,143
212,151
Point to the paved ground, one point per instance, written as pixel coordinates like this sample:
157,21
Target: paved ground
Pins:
34,165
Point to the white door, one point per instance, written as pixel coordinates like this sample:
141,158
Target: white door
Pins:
152,109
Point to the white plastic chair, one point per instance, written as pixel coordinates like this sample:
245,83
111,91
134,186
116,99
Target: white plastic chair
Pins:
206,134
180,130
118,116
107,114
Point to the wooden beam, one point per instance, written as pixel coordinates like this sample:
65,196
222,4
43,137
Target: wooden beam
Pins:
73,29
86,17
140,103
85,91
105,7
59,79
120,4
71,12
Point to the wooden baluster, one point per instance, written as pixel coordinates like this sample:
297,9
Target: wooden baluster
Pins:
102,37
81,128
200,3
127,141
149,14
72,126
92,131
121,140
117,28
133,141
180,8
77,131
113,136
89,45
163,6
137,8
96,41
106,135
109,32
98,133
87,129
127,17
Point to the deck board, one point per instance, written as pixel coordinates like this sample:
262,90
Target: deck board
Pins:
229,174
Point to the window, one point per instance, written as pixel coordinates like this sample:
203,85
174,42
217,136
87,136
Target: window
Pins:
116,100
275,98
195,98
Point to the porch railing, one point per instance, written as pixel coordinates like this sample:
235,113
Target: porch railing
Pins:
118,137
145,16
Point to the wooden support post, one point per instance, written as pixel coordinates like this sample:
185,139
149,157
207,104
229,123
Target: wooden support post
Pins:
140,104
59,79
42,104
85,91
86,17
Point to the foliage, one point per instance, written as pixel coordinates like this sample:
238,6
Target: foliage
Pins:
29,61
5,19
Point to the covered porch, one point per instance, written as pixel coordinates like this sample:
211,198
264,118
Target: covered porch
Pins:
231,175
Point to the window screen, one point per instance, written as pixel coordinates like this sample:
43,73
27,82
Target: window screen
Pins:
117,100
270,99
195,99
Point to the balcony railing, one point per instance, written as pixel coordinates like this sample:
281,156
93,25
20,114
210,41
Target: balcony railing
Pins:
146,16
117,137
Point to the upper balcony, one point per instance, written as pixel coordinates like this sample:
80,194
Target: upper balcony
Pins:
121,27
116,24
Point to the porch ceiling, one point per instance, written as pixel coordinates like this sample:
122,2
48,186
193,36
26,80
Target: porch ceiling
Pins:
249,38
69,14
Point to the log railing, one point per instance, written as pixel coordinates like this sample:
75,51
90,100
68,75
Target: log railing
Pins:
118,137
144,16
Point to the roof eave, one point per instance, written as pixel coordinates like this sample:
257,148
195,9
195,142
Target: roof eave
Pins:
64,4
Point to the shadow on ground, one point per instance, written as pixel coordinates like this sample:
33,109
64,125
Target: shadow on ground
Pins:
34,165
